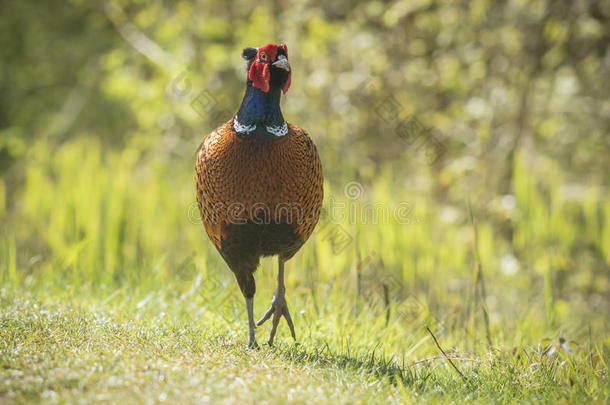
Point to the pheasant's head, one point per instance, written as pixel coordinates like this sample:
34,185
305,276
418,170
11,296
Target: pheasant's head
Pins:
268,67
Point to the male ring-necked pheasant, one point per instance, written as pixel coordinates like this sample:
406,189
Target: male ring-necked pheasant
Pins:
259,183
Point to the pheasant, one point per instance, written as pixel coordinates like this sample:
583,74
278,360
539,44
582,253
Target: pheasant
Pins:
259,183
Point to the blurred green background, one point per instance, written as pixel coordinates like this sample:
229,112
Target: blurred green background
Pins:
103,106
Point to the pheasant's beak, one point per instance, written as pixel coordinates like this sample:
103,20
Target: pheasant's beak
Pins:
282,63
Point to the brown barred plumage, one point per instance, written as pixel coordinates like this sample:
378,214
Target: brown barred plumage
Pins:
280,179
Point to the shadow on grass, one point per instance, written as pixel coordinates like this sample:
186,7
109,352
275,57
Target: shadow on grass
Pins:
323,356
379,367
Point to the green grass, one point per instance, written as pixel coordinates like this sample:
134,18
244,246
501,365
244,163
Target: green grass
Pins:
110,290
77,349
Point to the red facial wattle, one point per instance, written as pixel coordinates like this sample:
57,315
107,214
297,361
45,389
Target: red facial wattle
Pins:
260,73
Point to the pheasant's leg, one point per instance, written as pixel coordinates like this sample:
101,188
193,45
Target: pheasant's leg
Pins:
251,338
279,307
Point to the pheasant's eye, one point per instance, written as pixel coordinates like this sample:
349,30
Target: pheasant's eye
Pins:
263,56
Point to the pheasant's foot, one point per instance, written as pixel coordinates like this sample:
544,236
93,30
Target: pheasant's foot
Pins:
278,308
252,344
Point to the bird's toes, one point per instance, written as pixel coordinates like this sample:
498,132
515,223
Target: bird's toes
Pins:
266,316
289,322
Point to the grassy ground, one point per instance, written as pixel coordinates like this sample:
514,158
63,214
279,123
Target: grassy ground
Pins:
110,290
81,350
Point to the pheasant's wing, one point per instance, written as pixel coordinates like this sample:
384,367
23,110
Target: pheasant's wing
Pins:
308,179
209,190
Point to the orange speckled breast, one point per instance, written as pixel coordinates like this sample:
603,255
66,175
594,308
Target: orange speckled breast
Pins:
258,180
